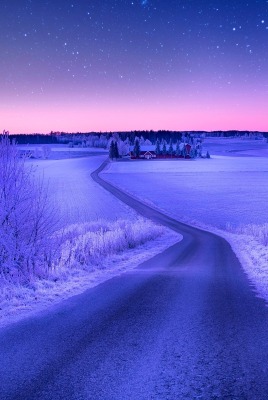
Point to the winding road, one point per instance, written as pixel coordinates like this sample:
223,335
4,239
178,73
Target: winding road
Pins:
183,325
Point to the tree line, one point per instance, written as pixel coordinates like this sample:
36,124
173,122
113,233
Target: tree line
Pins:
100,139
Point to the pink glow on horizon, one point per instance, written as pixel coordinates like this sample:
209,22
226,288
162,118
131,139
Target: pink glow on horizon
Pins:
182,115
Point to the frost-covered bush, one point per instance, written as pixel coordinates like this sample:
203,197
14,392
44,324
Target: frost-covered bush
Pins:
46,151
37,153
88,244
259,232
26,218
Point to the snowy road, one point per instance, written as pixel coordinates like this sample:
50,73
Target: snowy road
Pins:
183,325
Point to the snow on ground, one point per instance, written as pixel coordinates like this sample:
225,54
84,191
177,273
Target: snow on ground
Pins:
215,191
61,147
242,147
208,193
253,257
46,293
77,197
78,200
60,151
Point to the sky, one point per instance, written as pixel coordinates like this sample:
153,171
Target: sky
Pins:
118,65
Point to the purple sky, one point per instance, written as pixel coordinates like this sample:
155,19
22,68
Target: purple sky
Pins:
124,65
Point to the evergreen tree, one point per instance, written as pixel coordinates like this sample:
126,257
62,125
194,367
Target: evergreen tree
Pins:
164,149
200,149
111,150
170,148
178,150
116,152
192,152
183,151
136,149
157,147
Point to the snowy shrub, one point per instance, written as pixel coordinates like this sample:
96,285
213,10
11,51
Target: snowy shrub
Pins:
37,153
88,244
46,151
259,232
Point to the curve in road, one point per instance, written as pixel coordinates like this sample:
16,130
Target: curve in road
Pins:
183,325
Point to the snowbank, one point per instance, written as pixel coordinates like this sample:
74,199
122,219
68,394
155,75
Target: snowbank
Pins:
18,302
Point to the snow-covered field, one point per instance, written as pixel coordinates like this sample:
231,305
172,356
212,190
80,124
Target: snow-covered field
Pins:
241,147
212,193
77,197
60,151
216,191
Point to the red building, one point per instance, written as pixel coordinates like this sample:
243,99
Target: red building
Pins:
147,155
150,154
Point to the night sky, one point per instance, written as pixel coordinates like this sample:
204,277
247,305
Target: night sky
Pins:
102,65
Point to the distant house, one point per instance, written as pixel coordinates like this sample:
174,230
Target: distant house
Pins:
149,154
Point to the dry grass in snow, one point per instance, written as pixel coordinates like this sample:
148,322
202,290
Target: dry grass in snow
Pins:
258,232
87,245
17,302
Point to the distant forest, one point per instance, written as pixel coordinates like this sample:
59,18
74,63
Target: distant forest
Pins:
152,136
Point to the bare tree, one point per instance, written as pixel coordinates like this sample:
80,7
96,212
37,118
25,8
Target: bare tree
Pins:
27,218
